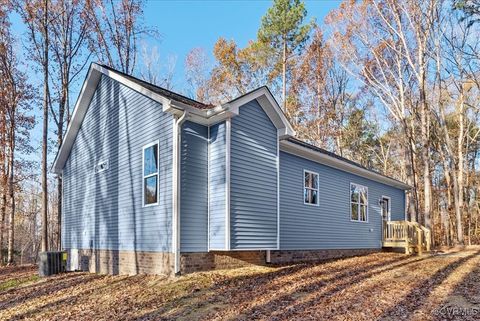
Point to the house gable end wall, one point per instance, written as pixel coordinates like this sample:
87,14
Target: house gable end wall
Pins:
103,211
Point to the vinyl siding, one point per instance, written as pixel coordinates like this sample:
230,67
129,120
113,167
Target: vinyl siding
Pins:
194,191
328,226
217,185
104,210
253,179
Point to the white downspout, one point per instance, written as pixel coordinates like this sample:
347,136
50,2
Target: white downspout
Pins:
177,143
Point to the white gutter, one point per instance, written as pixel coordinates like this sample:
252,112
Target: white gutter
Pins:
177,143
324,159
206,117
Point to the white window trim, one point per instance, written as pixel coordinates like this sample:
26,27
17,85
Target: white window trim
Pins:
305,187
350,203
150,175
389,207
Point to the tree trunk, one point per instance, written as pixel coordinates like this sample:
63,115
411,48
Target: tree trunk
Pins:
412,170
425,132
458,211
11,194
3,212
460,163
61,114
469,228
44,246
284,75
410,201
3,182
476,224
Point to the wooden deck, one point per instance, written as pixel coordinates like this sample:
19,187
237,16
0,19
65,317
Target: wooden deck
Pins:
411,236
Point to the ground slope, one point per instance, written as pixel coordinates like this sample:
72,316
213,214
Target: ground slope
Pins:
383,286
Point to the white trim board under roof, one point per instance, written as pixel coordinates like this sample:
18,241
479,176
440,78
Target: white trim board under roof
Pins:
171,102
208,115
305,150
230,109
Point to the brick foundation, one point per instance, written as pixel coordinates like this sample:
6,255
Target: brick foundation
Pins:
205,261
295,256
120,262
129,262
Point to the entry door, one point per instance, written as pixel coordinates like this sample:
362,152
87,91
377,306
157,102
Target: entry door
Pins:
386,215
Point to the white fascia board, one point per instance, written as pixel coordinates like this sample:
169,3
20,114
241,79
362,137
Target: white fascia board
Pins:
330,161
167,104
231,109
131,84
81,106
88,89
206,117
269,105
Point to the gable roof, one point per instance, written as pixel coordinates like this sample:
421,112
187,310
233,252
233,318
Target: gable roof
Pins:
160,90
309,151
171,102
264,97
207,115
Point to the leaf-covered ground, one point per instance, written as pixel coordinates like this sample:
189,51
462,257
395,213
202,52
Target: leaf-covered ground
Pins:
382,286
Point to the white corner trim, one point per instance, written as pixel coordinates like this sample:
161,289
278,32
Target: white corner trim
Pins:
63,211
278,194
174,191
228,137
208,188
176,172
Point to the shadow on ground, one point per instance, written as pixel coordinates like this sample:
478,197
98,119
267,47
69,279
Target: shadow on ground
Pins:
379,286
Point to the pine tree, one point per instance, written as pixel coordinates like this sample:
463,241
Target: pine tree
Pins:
283,33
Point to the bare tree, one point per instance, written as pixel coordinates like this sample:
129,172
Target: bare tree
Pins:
154,70
14,98
196,71
68,41
384,44
117,27
35,15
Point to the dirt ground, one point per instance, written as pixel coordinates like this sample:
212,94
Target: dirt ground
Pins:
381,286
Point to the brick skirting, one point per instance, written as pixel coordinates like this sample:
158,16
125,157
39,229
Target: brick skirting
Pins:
295,256
120,262
205,261
130,262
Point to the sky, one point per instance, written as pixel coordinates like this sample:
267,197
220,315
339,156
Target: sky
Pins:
184,25
188,24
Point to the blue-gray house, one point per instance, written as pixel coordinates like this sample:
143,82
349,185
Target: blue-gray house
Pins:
155,182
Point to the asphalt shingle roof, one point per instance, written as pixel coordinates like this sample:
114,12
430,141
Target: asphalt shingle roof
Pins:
162,91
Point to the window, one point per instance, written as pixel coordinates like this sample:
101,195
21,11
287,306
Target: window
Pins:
310,188
150,174
358,202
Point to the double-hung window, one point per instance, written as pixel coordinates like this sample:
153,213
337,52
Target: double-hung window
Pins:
310,188
358,202
150,174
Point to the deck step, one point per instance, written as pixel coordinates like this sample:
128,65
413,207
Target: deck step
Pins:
411,236
394,244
